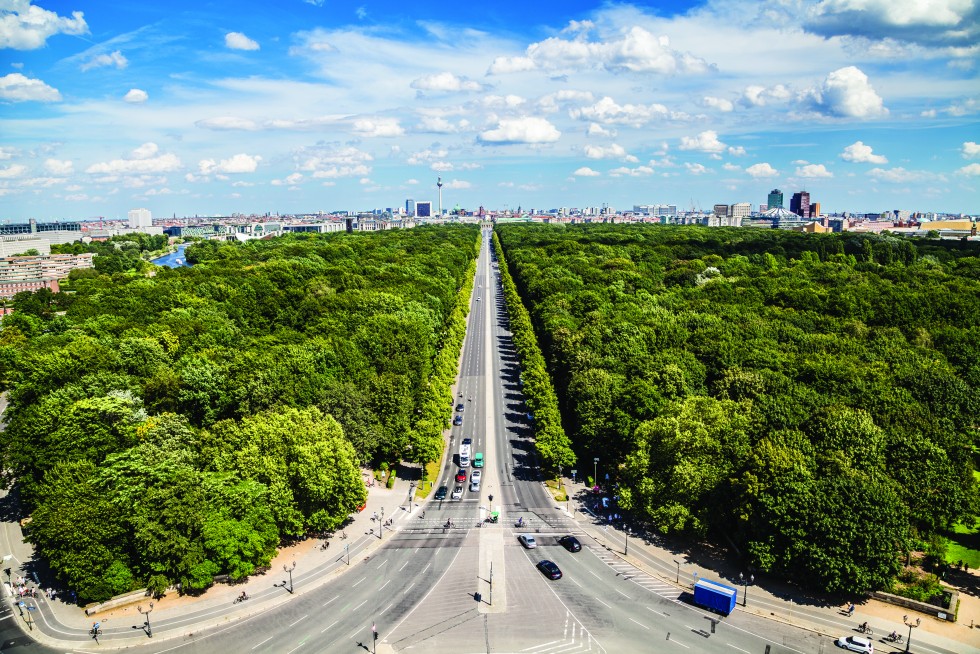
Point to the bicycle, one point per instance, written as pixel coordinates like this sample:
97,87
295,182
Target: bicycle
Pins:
865,629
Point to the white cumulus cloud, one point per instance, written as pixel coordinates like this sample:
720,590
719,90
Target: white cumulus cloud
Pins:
239,163
585,171
18,88
947,22
227,122
759,96
114,58
813,171
858,152
696,168
721,104
847,93
761,171
143,160
445,82
136,96
378,127
706,141
614,151
238,41
607,111
13,170
505,65
59,167
529,129
457,184
24,26
972,170
970,150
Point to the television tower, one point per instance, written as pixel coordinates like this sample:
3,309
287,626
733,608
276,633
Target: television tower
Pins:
439,184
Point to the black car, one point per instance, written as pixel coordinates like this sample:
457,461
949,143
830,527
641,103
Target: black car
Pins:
460,406
441,492
458,420
550,570
467,441
570,543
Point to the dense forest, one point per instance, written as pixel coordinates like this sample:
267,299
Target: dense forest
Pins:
808,401
166,426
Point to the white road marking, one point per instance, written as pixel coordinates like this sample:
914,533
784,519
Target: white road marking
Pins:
328,601
738,648
263,642
640,623
385,584
358,606
603,603
403,566
358,581
300,620
623,594
302,642
328,626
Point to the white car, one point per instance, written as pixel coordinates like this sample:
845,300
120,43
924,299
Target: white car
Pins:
856,644
475,477
527,540
457,493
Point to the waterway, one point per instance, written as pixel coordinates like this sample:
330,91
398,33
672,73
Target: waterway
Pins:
174,259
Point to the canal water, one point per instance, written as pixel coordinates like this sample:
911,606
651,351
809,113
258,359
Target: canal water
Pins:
174,259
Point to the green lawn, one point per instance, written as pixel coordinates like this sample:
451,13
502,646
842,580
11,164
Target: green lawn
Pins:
964,544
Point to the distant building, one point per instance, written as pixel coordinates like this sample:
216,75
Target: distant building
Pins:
740,210
815,210
775,200
720,210
33,272
800,204
423,209
140,218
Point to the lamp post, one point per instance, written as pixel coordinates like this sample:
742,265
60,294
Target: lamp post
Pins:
149,629
678,570
289,569
745,586
347,552
381,523
595,471
411,491
911,626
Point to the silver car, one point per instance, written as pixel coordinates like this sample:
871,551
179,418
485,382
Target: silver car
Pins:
527,540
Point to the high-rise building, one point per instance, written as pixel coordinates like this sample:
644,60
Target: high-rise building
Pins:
720,210
740,210
800,204
140,218
775,200
410,207
423,209
815,210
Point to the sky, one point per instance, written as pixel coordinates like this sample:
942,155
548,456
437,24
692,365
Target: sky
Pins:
214,107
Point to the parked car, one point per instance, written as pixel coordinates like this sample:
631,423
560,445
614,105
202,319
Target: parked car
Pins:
457,493
570,543
461,475
550,570
527,540
856,644
441,492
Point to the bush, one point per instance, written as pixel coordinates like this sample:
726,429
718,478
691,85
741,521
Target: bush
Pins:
391,480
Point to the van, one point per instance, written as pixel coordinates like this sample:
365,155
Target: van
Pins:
478,460
464,456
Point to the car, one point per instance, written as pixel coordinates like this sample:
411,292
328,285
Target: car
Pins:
458,420
550,570
461,475
441,492
460,406
478,460
467,441
477,299
475,476
527,540
457,493
856,644
475,486
570,543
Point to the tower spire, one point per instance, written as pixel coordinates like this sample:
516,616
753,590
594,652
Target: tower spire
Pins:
439,184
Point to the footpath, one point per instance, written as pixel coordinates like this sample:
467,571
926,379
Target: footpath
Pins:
769,598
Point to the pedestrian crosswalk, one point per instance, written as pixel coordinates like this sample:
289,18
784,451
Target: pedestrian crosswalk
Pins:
640,578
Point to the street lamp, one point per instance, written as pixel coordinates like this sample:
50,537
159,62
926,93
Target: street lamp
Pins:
381,523
289,569
595,471
411,491
745,587
911,626
149,629
678,570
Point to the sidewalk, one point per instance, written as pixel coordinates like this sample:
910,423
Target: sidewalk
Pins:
313,567
774,599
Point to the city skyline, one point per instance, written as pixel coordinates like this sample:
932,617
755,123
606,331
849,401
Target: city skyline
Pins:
217,109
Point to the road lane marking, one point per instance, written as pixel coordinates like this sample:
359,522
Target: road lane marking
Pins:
424,569
623,594
738,648
263,642
358,606
409,588
328,601
404,564
640,623
378,567
594,575
676,642
301,643
603,603
328,626
300,620
385,584
385,608
656,611
358,581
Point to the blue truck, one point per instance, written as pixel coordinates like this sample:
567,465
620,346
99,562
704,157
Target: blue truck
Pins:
715,596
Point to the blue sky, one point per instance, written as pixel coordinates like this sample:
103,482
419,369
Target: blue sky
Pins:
298,106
